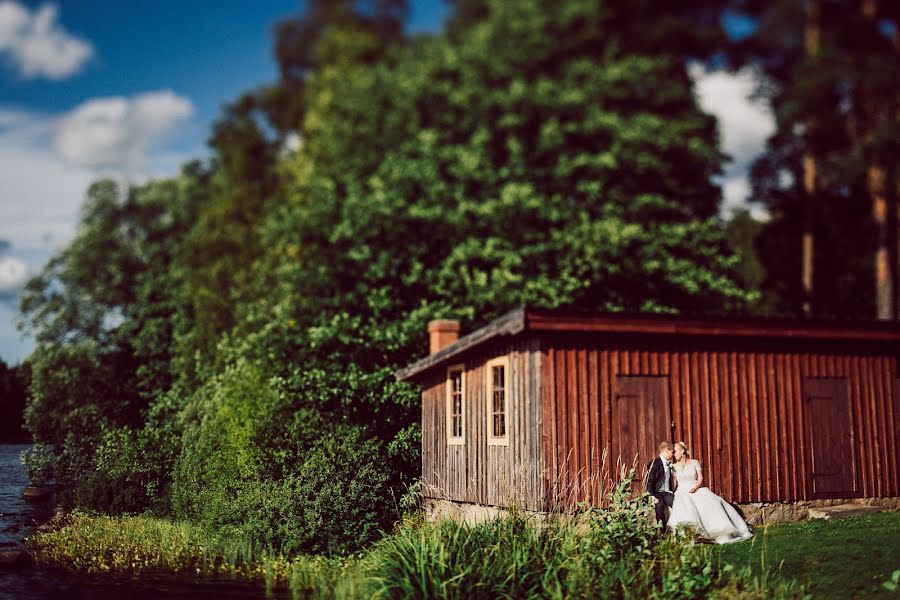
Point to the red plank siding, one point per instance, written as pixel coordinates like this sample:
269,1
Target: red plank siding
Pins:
739,403
741,411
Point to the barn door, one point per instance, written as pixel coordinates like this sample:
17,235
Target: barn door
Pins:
832,448
640,421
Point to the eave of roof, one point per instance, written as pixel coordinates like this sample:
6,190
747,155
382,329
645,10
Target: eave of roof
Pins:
555,321
512,323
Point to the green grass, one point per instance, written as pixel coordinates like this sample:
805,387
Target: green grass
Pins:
847,558
606,553
510,557
145,545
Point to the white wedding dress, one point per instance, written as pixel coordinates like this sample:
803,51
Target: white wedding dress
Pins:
709,515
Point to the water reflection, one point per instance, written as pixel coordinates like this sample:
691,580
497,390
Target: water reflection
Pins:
19,518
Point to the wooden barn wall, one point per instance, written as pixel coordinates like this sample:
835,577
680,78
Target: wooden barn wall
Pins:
739,407
477,472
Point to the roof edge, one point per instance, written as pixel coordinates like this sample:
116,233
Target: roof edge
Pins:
512,323
559,321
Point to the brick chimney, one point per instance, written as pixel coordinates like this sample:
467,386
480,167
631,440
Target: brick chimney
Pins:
442,333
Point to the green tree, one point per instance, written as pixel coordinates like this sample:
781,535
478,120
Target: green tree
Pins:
831,74
462,176
742,231
538,153
514,171
13,393
104,312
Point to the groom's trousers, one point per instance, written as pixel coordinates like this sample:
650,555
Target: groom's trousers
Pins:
665,499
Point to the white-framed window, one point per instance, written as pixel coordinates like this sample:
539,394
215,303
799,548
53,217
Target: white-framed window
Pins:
456,405
497,379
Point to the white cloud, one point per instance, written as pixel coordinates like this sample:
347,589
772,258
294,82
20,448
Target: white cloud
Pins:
745,124
37,45
115,134
49,160
13,346
39,193
12,117
12,274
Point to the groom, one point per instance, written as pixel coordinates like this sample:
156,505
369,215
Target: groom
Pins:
659,481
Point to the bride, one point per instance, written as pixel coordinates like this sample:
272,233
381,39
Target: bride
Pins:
698,508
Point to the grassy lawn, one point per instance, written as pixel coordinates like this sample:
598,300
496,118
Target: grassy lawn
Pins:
848,558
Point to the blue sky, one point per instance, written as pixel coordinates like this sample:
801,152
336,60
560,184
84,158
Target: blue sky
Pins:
121,88
128,89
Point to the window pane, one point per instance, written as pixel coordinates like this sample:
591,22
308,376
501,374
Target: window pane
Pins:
456,404
498,401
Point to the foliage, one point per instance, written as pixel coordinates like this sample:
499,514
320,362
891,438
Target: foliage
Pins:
892,584
77,392
39,463
616,552
837,106
221,345
105,311
140,544
287,484
14,383
218,451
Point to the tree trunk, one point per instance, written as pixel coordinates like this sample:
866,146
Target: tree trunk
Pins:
894,185
876,183
884,278
894,240
809,211
811,45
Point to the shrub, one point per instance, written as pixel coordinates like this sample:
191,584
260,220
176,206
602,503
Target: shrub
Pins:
337,501
607,552
286,478
218,454
611,552
39,462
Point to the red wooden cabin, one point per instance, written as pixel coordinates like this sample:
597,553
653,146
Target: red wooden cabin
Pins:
538,409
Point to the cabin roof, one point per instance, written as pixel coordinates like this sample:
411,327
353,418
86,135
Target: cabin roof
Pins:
559,321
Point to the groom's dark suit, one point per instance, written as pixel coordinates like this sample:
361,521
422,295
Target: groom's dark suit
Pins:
656,479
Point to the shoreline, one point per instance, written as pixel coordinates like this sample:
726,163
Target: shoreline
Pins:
735,568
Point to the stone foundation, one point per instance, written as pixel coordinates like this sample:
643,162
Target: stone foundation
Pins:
755,513
769,513
466,512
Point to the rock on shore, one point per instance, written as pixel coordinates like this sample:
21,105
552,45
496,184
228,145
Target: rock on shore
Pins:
36,493
14,558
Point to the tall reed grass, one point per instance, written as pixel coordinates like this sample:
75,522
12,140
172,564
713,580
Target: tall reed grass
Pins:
613,551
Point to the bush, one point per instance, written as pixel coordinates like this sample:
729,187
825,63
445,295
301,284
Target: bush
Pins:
294,482
78,395
219,454
612,552
39,462
337,501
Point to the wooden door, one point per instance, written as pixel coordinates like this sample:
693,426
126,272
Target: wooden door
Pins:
829,418
641,419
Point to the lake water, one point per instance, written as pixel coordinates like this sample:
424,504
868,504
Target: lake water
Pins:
18,519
